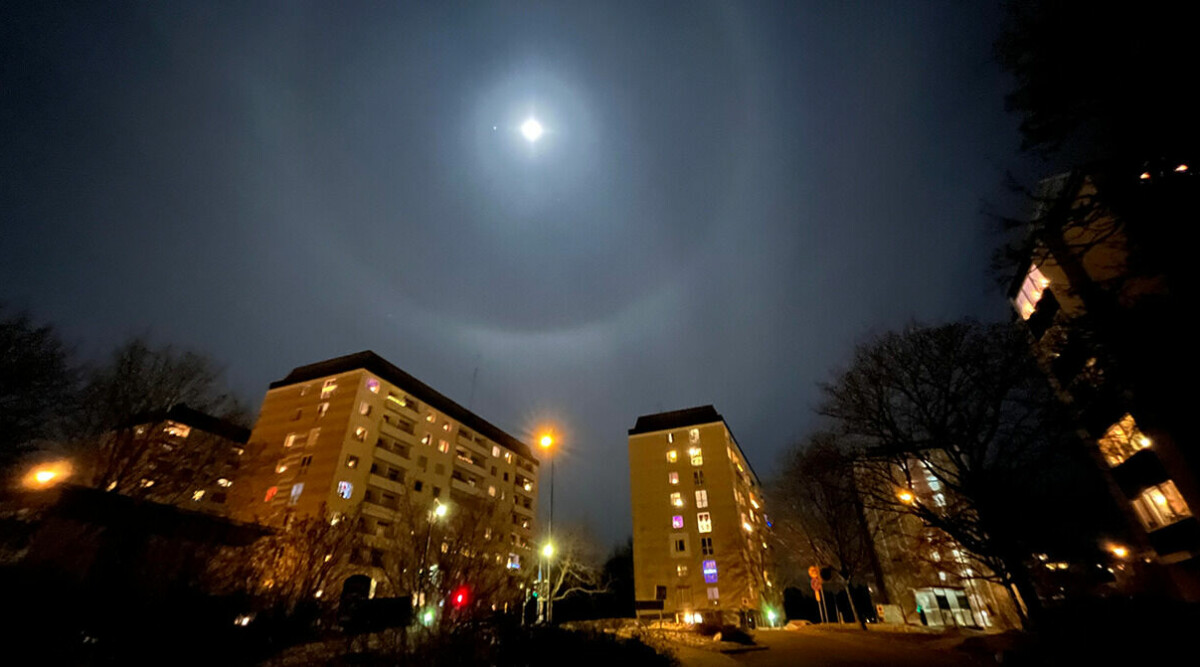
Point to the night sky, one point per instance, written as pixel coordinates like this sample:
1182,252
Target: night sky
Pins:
728,197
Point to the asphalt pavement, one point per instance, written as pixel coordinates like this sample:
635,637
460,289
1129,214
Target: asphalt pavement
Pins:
835,648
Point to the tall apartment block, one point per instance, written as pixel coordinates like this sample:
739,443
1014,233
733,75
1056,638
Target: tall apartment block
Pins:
699,527
1099,291
357,434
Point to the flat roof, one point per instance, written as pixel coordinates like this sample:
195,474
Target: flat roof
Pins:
703,414
369,361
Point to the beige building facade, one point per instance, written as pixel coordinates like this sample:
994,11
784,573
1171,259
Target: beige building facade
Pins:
357,435
700,542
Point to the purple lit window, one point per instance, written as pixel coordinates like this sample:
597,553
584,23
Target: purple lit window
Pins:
373,385
345,490
710,571
677,521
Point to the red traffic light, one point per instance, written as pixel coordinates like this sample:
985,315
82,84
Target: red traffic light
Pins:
460,597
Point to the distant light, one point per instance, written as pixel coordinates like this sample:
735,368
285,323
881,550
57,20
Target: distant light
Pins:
427,617
1119,551
1181,168
1145,176
547,441
905,496
243,620
440,510
43,476
771,616
548,550
47,475
532,129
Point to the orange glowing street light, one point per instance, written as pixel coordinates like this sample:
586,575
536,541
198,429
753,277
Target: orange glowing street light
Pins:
1119,551
46,475
547,441
905,496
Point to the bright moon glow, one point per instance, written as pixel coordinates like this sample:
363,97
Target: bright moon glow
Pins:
531,129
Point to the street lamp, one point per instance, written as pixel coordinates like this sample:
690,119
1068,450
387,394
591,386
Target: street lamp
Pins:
46,475
905,496
546,442
438,511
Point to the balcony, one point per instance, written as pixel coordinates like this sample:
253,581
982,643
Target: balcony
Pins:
381,482
462,485
1181,536
1139,471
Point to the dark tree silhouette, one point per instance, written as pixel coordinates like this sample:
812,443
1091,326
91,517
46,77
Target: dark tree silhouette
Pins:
37,385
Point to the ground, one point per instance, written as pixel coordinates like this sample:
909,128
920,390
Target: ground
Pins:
817,647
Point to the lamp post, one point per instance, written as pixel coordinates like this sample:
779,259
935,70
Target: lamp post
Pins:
547,442
438,511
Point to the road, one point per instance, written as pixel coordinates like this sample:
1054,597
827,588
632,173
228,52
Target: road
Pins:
824,648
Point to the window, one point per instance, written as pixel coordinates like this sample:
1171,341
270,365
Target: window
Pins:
328,388
351,461
677,500
364,408
224,482
297,489
281,466
271,494
514,562
305,389
696,455
670,438
495,452
423,463
1160,506
672,456
345,490
313,435
702,499
290,440
439,469
437,492
677,521
373,385
430,417
492,491
698,477
1121,441
694,435
426,439
198,495
360,434
299,413
443,446
322,408
679,545
939,499
446,426
418,485
714,594
395,474
706,546
673,478
1032,288
508,457
704,522
178,430
681,570
709,567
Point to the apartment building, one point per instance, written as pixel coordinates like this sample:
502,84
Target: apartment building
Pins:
700,543
1098,291
924,573
356,435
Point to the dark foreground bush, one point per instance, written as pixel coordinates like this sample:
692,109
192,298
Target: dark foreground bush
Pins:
729,633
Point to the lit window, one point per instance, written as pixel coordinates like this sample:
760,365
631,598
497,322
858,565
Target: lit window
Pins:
446,426
670,438
698,477
714,594
426,439
677,500
178,430
373,385
495,452
281,467
672,456
364,408
673,477
1121,441
1032,288
430,417
224,482
492,491
198,495
146,483
702,499
1160,506
271,494
328,388
704,522
360,434
290,440
939,499
345,490
322,408
942,576
694,435
297,489
351,461
681,570
514,562
677,521
709,567
696,455
443,446
706,546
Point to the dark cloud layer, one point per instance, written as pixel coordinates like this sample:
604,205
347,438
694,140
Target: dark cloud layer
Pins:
728,196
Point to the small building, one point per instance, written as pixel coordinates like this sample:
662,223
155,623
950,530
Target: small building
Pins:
700,529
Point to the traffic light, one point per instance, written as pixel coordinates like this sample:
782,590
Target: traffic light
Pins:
535,594
460,597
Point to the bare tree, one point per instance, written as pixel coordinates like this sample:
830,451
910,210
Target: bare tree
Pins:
820,519
573,569
37,384
964,406
123,418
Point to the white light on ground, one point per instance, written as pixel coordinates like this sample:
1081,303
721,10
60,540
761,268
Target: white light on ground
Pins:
532,129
